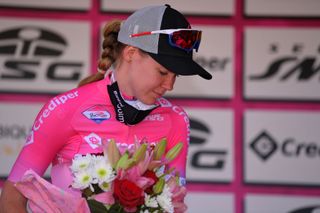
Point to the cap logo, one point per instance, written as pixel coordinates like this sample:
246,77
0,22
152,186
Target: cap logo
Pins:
136,29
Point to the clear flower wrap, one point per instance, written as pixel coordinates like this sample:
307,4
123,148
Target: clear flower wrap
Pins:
132,180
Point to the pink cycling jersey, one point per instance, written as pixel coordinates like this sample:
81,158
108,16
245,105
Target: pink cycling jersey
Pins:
77,121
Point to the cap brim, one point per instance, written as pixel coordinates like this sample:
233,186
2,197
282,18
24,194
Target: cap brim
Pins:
181,65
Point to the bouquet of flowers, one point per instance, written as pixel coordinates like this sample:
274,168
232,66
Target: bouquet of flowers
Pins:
131,180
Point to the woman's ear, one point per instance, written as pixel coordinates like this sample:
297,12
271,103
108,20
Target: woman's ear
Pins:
128,53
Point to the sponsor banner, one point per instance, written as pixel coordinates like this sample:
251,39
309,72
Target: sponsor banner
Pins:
215,55
211,202
16,121
263,203
282,8
200,7
210,155
287,66
48,4
282,147
43,56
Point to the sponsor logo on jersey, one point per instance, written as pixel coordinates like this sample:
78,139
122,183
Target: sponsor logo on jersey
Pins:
154,117
29,139
125,146
164,102
56,102
97,113
93,140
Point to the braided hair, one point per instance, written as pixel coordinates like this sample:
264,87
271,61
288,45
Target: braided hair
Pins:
112,48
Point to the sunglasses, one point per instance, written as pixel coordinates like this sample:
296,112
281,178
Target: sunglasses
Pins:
186,39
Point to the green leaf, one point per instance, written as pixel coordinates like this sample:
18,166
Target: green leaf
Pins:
96,206
116,208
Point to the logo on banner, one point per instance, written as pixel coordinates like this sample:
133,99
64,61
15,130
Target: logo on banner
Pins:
213,63
97,113
265,146
290,66
32,54
204,158
309,209
14,131
93,140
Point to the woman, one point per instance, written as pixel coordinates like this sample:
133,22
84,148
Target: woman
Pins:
147,51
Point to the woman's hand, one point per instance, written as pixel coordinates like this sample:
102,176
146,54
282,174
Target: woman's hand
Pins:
11,200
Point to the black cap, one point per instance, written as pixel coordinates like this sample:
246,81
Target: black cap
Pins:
163,17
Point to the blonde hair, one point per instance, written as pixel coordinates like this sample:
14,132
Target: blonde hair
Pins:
112,48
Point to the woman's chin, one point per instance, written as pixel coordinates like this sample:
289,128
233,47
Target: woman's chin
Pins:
149,101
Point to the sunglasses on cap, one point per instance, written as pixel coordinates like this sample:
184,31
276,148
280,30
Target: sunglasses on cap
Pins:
186,39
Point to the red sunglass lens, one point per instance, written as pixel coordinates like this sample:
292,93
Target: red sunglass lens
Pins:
186,39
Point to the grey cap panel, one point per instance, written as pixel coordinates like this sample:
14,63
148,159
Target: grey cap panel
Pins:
143,20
